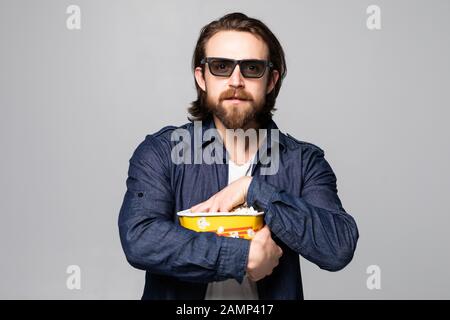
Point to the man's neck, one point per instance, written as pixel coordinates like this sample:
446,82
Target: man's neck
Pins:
240,148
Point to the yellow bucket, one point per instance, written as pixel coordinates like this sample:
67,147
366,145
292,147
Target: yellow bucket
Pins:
226,224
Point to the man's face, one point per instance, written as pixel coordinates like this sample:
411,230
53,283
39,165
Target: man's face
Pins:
221,91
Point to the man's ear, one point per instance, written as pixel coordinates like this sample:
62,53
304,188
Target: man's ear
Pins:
275,75
198,73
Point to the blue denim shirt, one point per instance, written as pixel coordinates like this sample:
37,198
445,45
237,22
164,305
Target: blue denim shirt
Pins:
300,201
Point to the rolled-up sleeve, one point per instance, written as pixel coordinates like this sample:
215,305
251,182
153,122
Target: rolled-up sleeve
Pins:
313,224
153,242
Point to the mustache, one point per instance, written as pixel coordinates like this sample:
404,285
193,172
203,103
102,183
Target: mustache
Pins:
232,93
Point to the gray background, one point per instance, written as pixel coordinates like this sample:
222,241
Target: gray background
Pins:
75,104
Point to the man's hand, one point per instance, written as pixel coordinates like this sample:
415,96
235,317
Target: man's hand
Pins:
263,255
226,199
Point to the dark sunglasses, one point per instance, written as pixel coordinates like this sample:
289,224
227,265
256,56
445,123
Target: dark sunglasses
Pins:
250,68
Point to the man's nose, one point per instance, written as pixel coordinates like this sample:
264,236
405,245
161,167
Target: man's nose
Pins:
236,79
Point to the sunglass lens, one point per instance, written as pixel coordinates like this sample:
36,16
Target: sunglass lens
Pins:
221,67
253,68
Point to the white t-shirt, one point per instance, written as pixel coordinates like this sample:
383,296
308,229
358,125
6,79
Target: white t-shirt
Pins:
230,289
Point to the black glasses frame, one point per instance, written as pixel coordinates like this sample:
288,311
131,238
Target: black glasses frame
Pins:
208,60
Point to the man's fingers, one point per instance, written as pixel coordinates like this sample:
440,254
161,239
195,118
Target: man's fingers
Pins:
195,208
280,252
202,207
214,207
257,278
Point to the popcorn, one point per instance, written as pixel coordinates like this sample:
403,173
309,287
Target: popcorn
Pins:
244,210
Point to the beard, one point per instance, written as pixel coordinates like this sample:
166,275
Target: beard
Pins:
236,116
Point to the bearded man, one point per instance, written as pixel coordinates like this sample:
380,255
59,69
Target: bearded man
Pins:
238,66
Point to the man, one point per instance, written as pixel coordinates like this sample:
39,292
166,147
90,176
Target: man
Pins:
238,66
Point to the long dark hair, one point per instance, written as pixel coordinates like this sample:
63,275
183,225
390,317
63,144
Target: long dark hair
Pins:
238,22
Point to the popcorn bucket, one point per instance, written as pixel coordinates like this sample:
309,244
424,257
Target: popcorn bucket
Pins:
235,224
